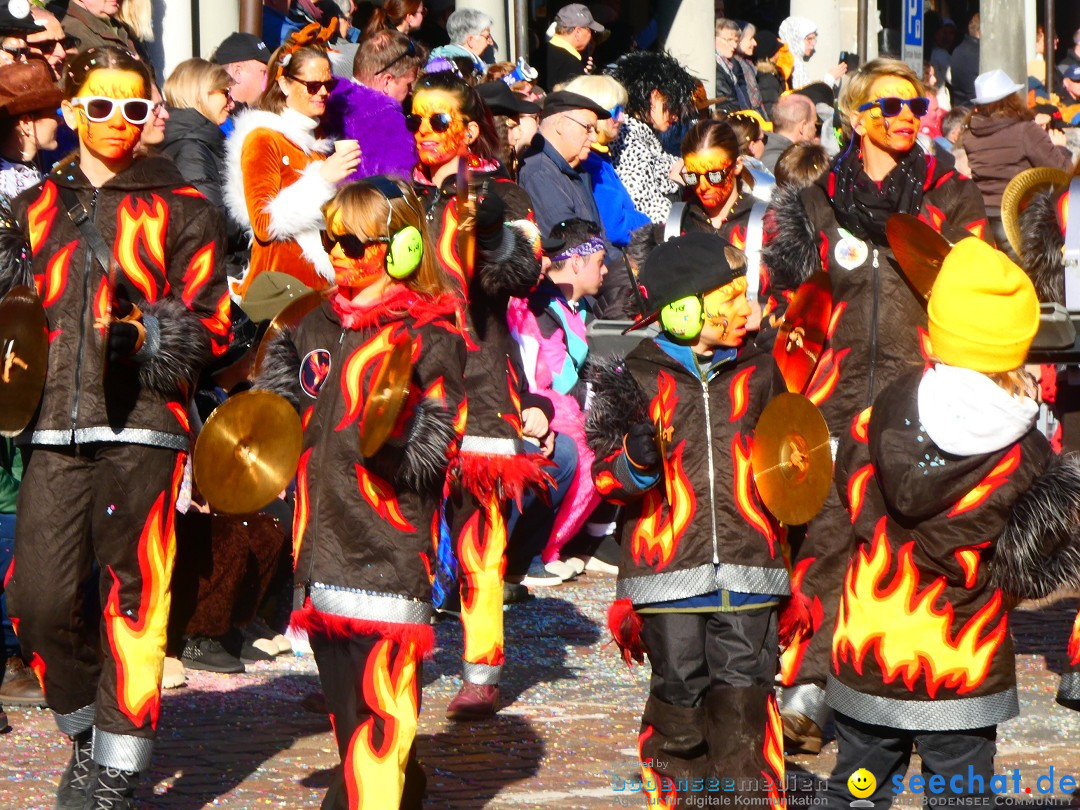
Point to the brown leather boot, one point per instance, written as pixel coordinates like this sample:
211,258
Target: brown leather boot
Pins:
21,687
474,701
801,734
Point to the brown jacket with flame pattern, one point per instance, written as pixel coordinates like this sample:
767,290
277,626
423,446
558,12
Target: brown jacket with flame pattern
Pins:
169,242
946,544
701,526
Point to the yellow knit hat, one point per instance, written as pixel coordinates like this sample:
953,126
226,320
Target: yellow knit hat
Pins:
983,309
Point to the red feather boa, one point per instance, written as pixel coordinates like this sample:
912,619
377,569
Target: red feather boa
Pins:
342,627
505,476
625,625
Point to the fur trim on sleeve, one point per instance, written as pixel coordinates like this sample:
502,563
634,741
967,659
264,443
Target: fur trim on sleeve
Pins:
298,207
1039,549
14,252
280,371
182,347
618,402
1040,247
517,273
791,249
425,455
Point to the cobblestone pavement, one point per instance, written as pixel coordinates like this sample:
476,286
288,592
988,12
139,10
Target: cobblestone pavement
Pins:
568,731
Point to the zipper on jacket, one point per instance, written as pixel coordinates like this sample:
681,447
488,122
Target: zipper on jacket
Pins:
712,470
873,333
323,438
86,304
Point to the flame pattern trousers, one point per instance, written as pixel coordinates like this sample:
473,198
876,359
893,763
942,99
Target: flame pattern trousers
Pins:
96,638
711,712
372,688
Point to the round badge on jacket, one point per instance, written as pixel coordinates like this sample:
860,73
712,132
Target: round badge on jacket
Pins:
850,251
314,369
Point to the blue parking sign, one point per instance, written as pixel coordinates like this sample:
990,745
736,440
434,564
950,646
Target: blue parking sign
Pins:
913,35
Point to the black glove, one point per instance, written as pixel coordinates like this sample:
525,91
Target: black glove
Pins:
124,336
490,212
121,306
640,446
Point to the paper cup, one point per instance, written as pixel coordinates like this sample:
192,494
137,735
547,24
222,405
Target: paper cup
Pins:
346,145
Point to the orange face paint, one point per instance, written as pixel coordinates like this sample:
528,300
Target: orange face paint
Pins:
115,138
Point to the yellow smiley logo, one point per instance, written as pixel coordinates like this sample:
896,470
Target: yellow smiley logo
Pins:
861,784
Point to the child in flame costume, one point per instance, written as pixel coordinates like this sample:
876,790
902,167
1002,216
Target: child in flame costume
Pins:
960,509
701,574
110,438
364,527
451,124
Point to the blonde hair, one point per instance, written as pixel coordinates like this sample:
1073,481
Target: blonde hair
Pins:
857,91
192,82
138,16
603,90
361,209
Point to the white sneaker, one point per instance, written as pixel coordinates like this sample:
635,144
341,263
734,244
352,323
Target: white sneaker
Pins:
597,566
299,641
577,564
564,570
283,644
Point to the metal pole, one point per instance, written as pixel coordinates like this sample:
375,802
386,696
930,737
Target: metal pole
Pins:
251,17
521,28
863,24
1048,45
195,34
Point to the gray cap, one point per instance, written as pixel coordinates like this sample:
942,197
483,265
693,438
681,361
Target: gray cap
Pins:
577,15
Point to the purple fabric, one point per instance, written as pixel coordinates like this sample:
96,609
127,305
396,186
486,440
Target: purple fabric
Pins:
378,123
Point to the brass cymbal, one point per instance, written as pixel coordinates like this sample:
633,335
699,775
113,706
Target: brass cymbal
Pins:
24,358
792,458
288,318
919,250
386,397
247,452
1020,190
803,331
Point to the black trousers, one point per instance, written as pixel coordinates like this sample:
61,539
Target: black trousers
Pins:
886,752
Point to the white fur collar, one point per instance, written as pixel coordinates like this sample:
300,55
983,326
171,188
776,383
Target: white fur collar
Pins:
297,128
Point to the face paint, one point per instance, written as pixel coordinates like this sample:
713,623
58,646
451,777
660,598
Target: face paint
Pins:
115,138
893,135
712,197
360,272
438,148
726,313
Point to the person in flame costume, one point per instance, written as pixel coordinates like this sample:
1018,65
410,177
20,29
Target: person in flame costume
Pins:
877,331
960,509
701,574
110,438
363,530
452,125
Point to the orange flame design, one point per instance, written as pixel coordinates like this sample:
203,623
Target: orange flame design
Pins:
380,497
375,773
919,641
436,391
56,274
189,191
448,253
746,496
740,393
655,535
606,483
985,488
142,224
356,368
1073,650
199,271
826,376
968,559
856,489
834,319
461,417
934,216
925,347
652,783
513,418
219,324
37,666
101,303
977,228
181,415
792,657
482,565
303,505
137,638
40,215
1063,211
860,426
773,751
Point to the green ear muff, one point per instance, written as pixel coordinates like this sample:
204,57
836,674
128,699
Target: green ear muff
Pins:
405,252
683,318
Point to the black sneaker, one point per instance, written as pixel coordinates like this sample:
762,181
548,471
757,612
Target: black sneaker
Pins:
207,654
114,790
513,593
78,775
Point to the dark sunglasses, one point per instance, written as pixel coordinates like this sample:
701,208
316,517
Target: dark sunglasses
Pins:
410,50
352,246
716,177
891,106
439,122
314,87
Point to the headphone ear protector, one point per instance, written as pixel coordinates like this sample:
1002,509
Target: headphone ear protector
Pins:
406,245
684,318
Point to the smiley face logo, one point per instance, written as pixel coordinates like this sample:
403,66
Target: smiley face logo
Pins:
861,784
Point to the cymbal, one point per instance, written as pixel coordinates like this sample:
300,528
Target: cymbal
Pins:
247,452
803,331
792,458
24,358
919,250
1020,190
386,397
288,318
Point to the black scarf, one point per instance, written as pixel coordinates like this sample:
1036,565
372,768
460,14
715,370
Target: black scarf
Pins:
863,208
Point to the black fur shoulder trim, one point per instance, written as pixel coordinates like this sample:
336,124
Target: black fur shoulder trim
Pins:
425,457
514,275
1039,550
280,371
618,402
1040,247
14,252
791,250
183,348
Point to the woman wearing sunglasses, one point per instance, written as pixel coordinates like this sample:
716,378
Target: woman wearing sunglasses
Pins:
838,225
362,551
452,126
130,258
281,171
